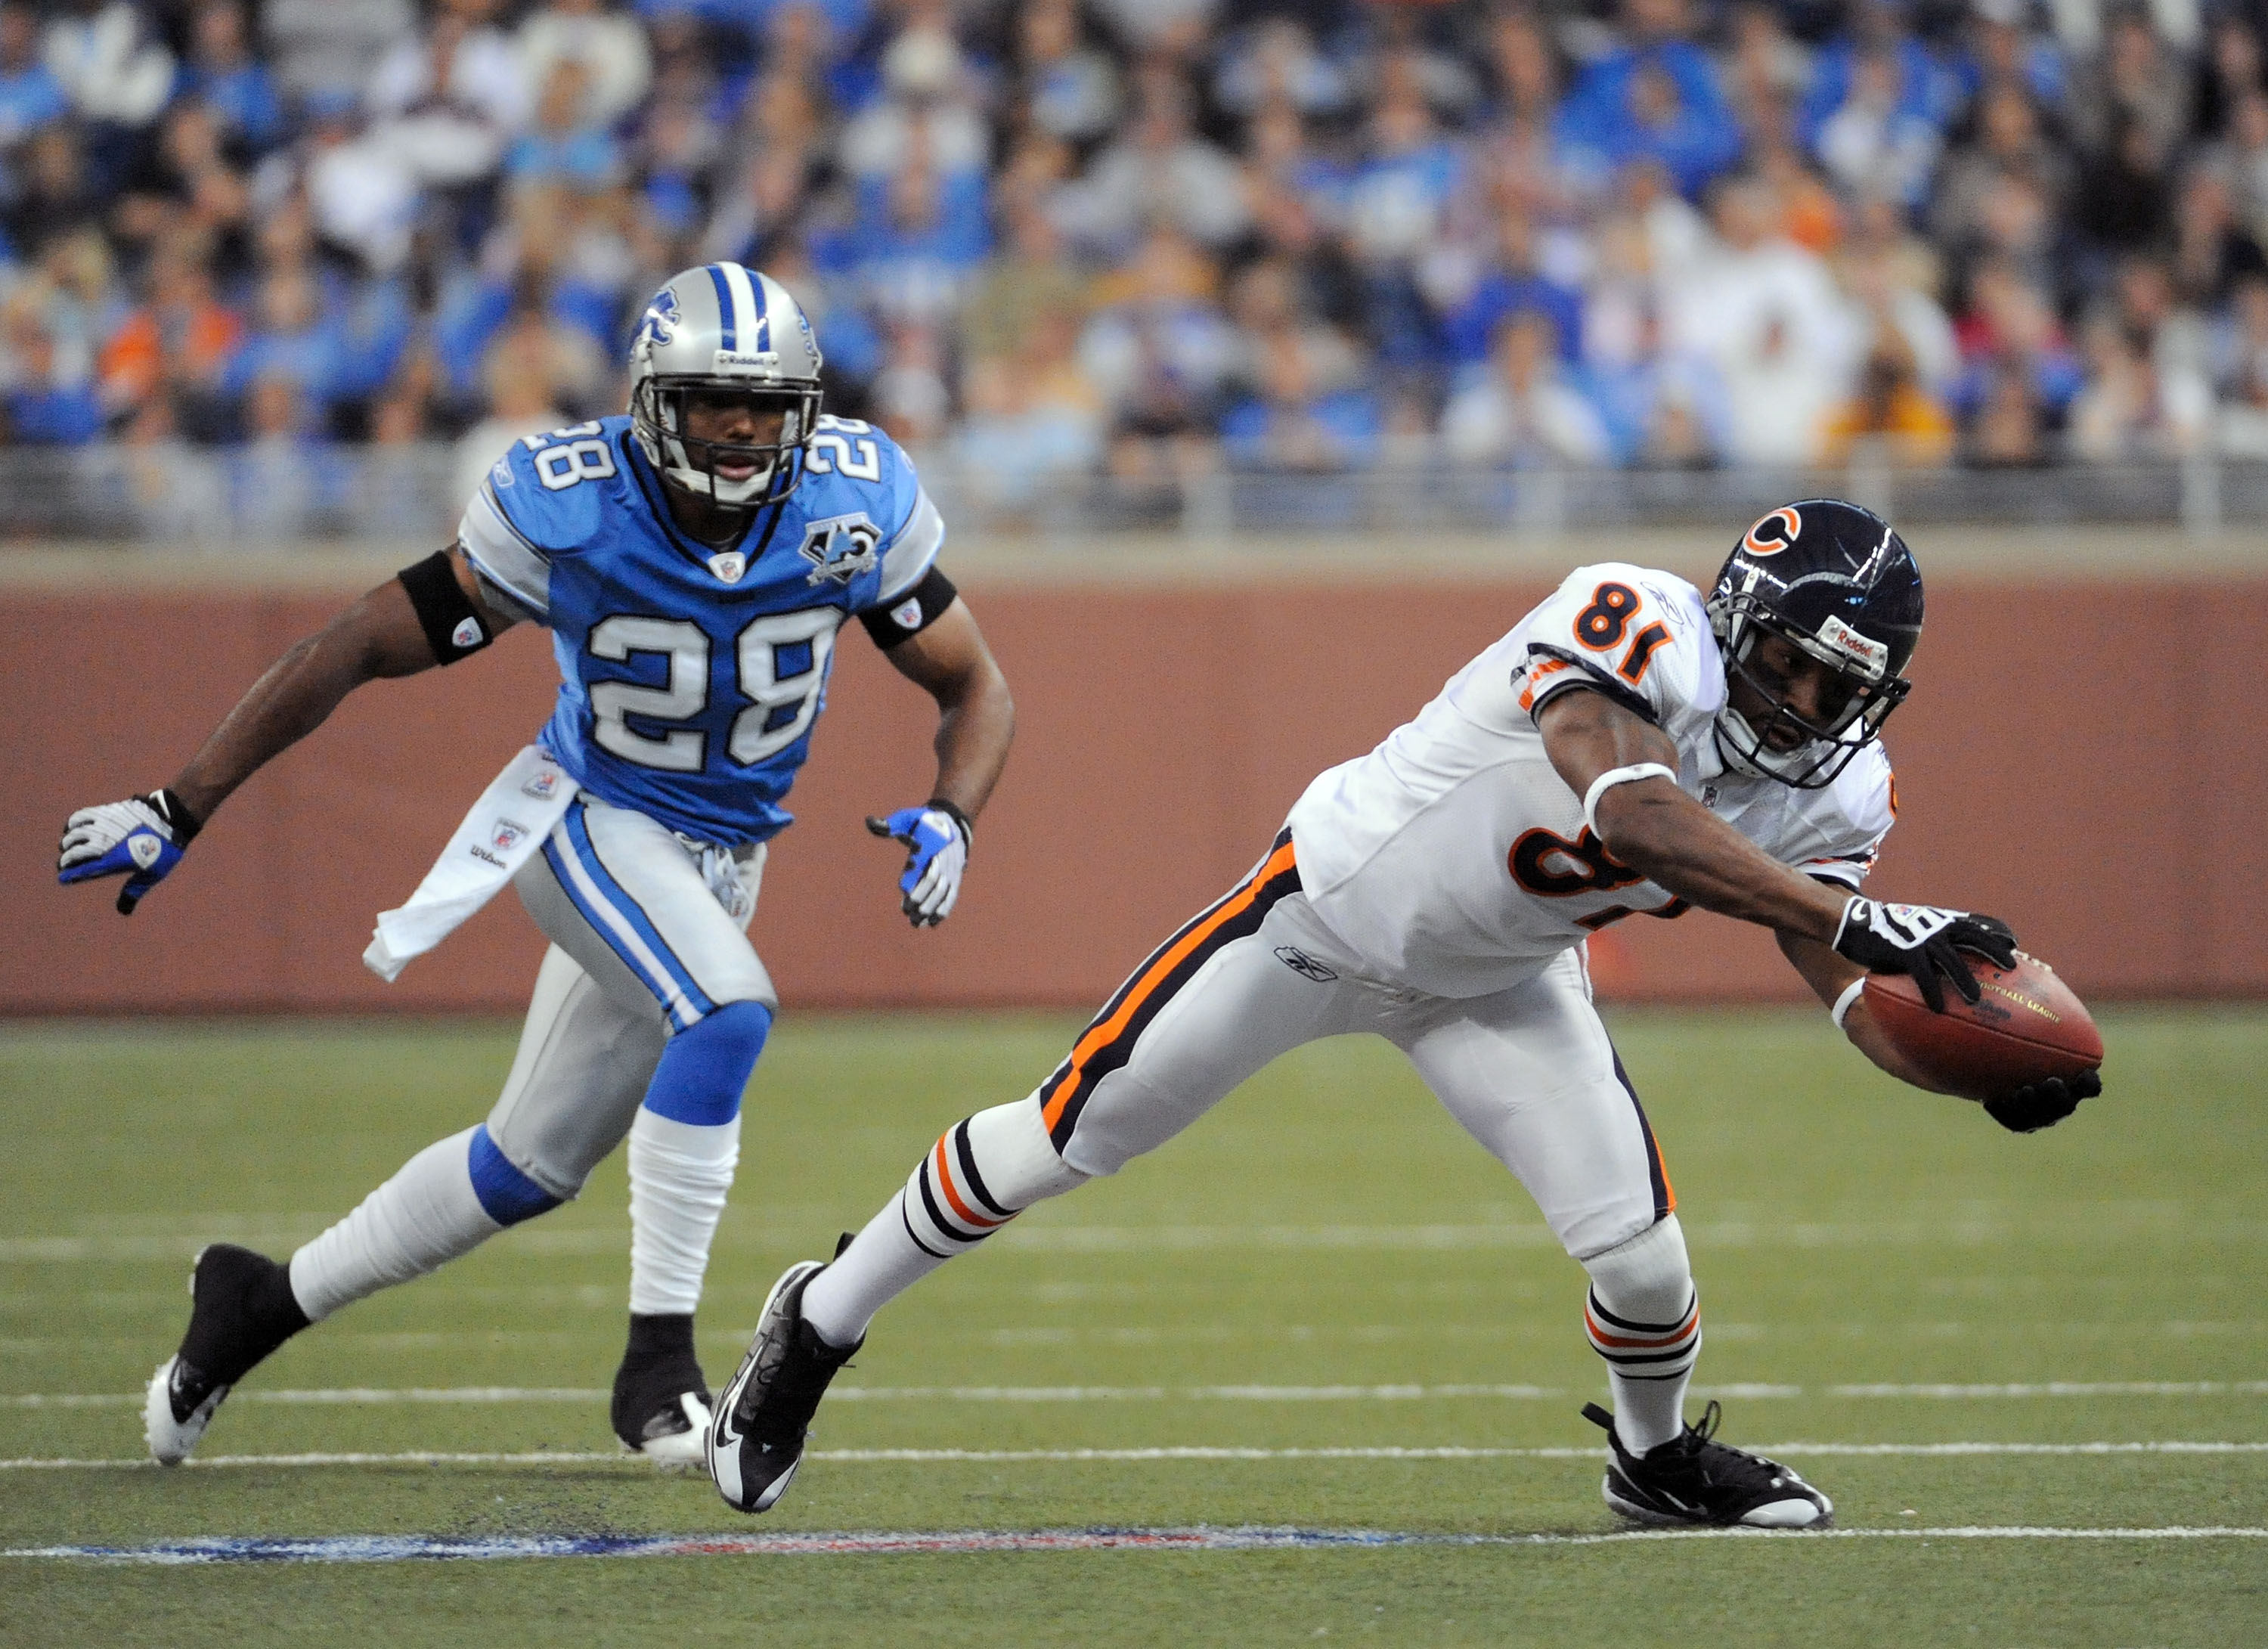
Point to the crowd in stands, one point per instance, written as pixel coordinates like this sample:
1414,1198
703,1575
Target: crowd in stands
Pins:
1151,238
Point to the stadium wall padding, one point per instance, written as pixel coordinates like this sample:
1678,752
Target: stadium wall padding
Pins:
2085,759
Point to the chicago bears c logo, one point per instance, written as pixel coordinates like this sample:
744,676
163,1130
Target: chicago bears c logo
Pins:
1775,533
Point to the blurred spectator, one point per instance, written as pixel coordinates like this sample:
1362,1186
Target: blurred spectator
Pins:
323,50
2129,410
567,143
2212,250
1030,284
2131,86
29,95
46,376
54,195
2243,373
1508,283
1158,348
1527,411
1294,424
277,478
1275,64
1394,206
177,343
1654,97
1030,416
446,103
916,242
109,63
1891,415
929,104
2009,431
2230,70
291,341
362,187
1766,313
909,396
1161,172
2010,335
187,181
223,73
608,47
1070,88
518,378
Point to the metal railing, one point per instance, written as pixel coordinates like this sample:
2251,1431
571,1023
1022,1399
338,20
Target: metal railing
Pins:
283,494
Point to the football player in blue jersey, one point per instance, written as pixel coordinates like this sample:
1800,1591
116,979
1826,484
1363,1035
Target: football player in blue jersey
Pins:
693,562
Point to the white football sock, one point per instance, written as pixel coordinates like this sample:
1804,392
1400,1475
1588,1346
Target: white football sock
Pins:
980,1174
425,1216
1644,1317
680,1175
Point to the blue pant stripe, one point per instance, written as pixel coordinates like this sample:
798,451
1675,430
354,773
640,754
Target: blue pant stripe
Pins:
697,1002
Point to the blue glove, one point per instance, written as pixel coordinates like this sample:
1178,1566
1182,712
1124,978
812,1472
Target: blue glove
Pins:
937,837
141,839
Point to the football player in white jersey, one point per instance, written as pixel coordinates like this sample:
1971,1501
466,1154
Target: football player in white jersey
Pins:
694,561
1629,749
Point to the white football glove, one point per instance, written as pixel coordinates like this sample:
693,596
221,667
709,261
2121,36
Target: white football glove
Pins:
141,839
937,837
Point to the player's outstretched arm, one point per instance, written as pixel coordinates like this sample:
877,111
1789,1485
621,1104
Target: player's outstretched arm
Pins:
1650,825
976,723
384,634
1658,830
1831,977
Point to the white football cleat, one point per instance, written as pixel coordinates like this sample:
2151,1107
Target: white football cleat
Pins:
681,1450
241,1308
178,1405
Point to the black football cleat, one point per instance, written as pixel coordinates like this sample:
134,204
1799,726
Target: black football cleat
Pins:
1695,1479
241,1308
661,1407
764,1416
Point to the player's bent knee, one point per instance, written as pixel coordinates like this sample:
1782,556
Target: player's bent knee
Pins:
1017,1159
705,1068
506,1195
1648,1278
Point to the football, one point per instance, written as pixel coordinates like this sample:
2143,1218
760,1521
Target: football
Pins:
2026,1025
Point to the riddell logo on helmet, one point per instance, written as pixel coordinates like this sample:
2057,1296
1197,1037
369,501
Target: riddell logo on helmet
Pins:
1775,533
744,361
1858,649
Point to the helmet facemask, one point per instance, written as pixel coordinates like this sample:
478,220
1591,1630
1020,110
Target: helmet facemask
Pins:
659,409
1858,697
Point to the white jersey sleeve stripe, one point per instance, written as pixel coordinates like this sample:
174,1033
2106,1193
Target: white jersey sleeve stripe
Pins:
913,549
503,556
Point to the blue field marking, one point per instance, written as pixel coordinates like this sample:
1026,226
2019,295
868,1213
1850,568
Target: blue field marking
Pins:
461,1547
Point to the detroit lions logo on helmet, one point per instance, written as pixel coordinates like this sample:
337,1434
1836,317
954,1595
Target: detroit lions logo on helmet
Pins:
659,325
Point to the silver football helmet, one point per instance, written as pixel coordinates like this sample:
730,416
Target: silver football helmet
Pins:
725,328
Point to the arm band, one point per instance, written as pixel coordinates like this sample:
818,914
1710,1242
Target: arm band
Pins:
452,627
1843,1003
911,613
1613,777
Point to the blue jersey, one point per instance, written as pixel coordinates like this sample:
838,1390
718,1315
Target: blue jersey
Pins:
689,679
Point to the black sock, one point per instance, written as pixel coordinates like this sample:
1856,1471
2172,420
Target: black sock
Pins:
244,1310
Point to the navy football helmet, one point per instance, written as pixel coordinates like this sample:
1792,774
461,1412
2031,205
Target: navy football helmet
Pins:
1837,582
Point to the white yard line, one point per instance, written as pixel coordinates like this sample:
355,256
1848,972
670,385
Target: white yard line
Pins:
872,1456
358,1395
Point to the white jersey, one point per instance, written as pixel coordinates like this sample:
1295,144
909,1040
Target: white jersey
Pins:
1453,859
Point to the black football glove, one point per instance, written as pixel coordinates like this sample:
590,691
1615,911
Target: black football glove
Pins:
1924,941
2043,1104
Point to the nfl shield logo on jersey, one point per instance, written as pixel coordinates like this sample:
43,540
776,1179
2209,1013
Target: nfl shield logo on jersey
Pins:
840,547
505,833
729,566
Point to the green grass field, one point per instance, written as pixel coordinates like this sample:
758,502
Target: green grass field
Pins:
1326,1234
